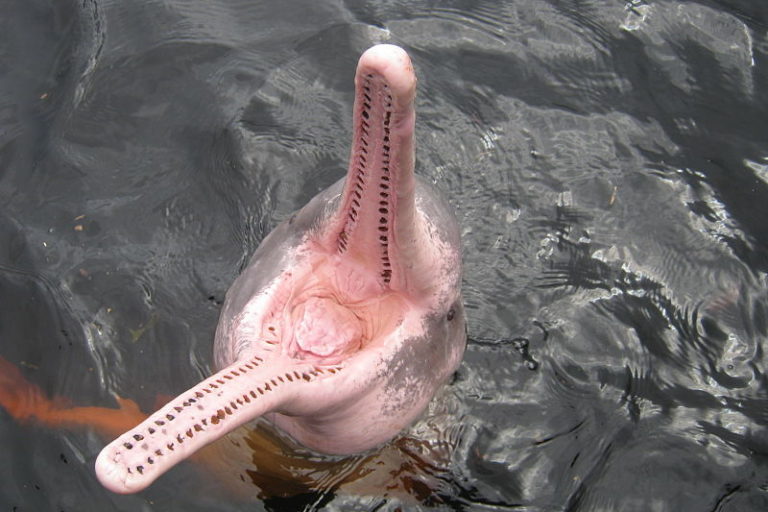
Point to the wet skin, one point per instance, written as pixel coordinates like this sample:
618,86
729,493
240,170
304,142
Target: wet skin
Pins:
347,319
255,461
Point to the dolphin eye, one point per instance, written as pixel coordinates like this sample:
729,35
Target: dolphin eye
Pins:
451,314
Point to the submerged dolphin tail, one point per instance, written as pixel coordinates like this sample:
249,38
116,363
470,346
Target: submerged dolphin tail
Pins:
236,395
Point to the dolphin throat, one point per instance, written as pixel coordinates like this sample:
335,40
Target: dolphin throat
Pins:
324,328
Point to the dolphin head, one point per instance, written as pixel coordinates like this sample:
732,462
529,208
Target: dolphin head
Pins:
348,317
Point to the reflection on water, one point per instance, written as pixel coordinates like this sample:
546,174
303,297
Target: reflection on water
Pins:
609,168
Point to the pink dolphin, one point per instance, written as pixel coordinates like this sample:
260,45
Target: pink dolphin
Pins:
349,316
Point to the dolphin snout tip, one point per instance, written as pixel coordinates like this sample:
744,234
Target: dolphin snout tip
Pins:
111,473
385,49
394,64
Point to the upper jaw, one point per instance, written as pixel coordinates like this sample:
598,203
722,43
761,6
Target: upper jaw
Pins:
375,222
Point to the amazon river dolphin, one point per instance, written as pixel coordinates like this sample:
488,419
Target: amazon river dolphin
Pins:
347,319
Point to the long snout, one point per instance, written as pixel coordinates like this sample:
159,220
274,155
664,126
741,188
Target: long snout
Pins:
230,398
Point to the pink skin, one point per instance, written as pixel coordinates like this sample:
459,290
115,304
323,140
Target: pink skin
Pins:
349,316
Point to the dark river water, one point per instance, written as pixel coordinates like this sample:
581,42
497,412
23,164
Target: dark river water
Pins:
608,163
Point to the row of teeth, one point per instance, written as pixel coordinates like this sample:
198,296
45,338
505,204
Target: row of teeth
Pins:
359,185
221,414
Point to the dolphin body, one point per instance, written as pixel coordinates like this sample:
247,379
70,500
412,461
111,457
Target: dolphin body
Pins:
349,316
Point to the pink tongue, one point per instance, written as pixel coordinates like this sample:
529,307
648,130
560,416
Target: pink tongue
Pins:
325,328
